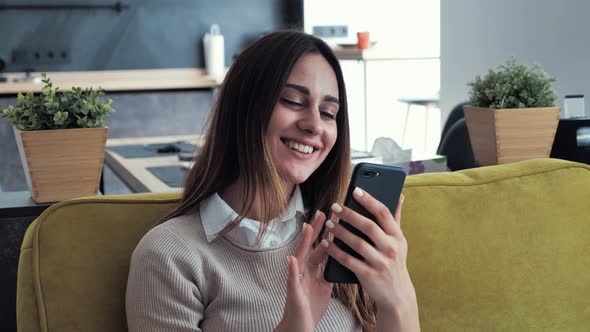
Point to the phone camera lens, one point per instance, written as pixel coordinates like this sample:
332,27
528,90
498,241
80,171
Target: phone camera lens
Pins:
369,173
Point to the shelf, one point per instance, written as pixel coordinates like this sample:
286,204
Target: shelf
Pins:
113,80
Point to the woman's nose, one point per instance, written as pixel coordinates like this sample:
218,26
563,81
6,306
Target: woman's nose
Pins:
311,122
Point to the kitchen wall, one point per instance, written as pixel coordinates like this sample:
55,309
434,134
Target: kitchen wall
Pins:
149,34
480,34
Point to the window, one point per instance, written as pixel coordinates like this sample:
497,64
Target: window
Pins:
409,33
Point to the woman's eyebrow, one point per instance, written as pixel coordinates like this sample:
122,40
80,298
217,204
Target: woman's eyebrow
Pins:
298,87
305,91
331,99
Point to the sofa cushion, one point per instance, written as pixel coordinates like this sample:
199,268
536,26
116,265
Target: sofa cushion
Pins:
75,261
503,248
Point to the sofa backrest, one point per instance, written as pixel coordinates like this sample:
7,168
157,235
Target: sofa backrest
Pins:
74,261
502,248
493,248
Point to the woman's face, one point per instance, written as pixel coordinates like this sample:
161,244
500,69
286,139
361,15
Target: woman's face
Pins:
302,128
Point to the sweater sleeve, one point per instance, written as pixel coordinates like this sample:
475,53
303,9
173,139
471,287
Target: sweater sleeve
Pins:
161,291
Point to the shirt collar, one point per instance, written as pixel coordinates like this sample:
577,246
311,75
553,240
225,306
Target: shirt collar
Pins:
216,214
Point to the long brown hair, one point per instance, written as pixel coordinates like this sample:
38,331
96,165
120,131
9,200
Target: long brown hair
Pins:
235,145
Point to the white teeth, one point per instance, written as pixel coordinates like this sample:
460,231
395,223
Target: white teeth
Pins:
300,147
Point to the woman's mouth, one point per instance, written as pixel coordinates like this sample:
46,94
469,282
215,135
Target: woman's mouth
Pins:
299,147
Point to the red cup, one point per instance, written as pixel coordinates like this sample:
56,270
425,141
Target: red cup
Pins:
363,40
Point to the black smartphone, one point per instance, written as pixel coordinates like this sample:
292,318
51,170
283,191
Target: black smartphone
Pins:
383,182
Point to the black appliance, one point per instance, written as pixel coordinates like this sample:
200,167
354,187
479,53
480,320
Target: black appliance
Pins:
572,140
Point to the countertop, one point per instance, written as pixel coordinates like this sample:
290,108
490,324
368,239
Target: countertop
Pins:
114,80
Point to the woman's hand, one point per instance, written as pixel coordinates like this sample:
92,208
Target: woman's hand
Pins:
308,296
383,274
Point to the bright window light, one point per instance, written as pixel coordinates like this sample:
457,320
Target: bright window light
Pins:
409,32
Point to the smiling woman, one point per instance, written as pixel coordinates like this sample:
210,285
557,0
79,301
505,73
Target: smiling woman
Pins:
302,128
276,158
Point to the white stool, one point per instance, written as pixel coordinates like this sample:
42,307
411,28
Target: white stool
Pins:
428,104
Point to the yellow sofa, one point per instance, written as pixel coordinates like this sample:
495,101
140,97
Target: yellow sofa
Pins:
502,248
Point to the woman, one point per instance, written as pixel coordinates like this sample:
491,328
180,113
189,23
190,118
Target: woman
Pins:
242,251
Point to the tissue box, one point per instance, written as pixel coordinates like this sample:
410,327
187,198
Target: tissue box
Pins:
431,165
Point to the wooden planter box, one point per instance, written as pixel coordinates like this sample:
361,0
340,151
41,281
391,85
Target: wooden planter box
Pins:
501,136
62,164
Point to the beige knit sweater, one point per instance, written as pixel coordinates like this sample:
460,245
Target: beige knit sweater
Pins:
180,282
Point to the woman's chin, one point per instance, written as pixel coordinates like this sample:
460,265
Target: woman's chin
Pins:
296,176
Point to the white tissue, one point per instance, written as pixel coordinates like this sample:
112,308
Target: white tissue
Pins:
213,44
390,151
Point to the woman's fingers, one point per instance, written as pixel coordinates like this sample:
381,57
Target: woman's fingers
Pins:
304,245
357,266
387,239
398,211
318,223
379,211
363,224
362,247
318,255
310,234
294,291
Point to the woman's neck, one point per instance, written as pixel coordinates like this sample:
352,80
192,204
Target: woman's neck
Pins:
233,195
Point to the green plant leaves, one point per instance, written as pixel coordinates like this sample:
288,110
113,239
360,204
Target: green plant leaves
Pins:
60,117
513,85
75,108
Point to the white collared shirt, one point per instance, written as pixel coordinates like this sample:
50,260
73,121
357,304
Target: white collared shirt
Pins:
216,214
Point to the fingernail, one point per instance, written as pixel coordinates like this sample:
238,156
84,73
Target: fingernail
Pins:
317,214
325,243
336,208
358,192
330,224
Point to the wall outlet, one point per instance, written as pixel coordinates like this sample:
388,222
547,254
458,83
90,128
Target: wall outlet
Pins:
331,31
40,56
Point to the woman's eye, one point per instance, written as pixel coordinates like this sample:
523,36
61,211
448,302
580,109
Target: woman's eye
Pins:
328,115
290,102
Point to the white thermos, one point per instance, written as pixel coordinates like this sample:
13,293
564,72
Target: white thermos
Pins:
214,53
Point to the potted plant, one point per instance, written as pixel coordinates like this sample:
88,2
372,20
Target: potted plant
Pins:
512,115
61,138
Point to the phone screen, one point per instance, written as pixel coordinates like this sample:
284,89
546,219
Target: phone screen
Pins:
384,183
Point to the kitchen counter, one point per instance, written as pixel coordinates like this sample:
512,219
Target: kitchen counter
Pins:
114,80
